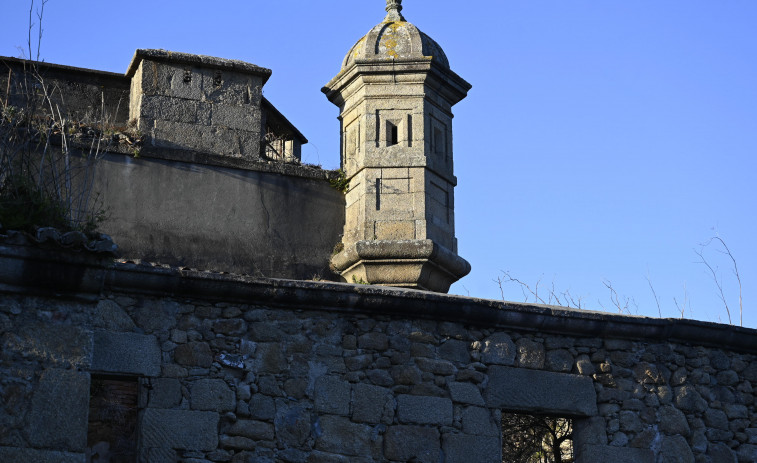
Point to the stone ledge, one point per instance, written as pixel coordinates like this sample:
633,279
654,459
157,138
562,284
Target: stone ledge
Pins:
197,60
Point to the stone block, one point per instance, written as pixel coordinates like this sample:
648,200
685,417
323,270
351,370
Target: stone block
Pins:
747,453
340,435
129,353
237,443
688,399
465,393
372,404
537,391
236,117
675,449
530,354
455,351
212,395
332,395
394,230
156,315
478,421
262,407
251,429
464,448
59,411
19,455
498,349
56,345
606,453
179,429
235,88
292,423
412,443
193,354
437,367
270,358
721,453
373,341
589,431
168,108
673,421
559,360
424,410
112,317
165,393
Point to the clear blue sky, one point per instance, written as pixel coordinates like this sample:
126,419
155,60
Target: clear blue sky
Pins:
601,140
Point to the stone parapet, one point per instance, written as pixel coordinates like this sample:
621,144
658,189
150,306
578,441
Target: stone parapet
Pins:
239,368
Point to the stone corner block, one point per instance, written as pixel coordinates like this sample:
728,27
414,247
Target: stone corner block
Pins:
536,391
59,411
459,448
128,353
412,443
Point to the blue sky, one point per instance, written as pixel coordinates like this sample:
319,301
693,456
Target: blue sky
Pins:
602,141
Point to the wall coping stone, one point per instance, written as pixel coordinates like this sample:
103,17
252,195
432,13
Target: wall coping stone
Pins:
165,281
197,60
344,297
218,160
65,68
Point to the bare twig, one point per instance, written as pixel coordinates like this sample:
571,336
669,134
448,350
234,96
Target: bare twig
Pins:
565,298
718,282
682,308
620,303
654,293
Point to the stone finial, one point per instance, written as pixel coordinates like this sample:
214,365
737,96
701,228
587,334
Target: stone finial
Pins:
393,8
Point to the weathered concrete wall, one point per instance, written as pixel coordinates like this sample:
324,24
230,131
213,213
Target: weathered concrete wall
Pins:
214,213
79,93
242,370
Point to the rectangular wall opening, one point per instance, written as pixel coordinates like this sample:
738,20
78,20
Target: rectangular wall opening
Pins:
392,134
536,439
113,408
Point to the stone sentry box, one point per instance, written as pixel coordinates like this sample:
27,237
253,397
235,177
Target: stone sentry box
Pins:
201,103
395,92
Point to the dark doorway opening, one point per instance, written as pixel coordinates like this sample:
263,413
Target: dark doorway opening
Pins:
113,408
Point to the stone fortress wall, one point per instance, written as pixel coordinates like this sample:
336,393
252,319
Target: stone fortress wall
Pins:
239,369
204,190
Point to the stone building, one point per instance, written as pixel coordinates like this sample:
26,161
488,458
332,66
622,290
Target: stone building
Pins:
214,338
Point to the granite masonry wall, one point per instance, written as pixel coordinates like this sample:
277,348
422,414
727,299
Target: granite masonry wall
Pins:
237,369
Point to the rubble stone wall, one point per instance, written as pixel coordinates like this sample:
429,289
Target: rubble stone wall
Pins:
310,372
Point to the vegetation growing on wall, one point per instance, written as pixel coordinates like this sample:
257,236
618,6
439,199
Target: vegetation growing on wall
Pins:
47,160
